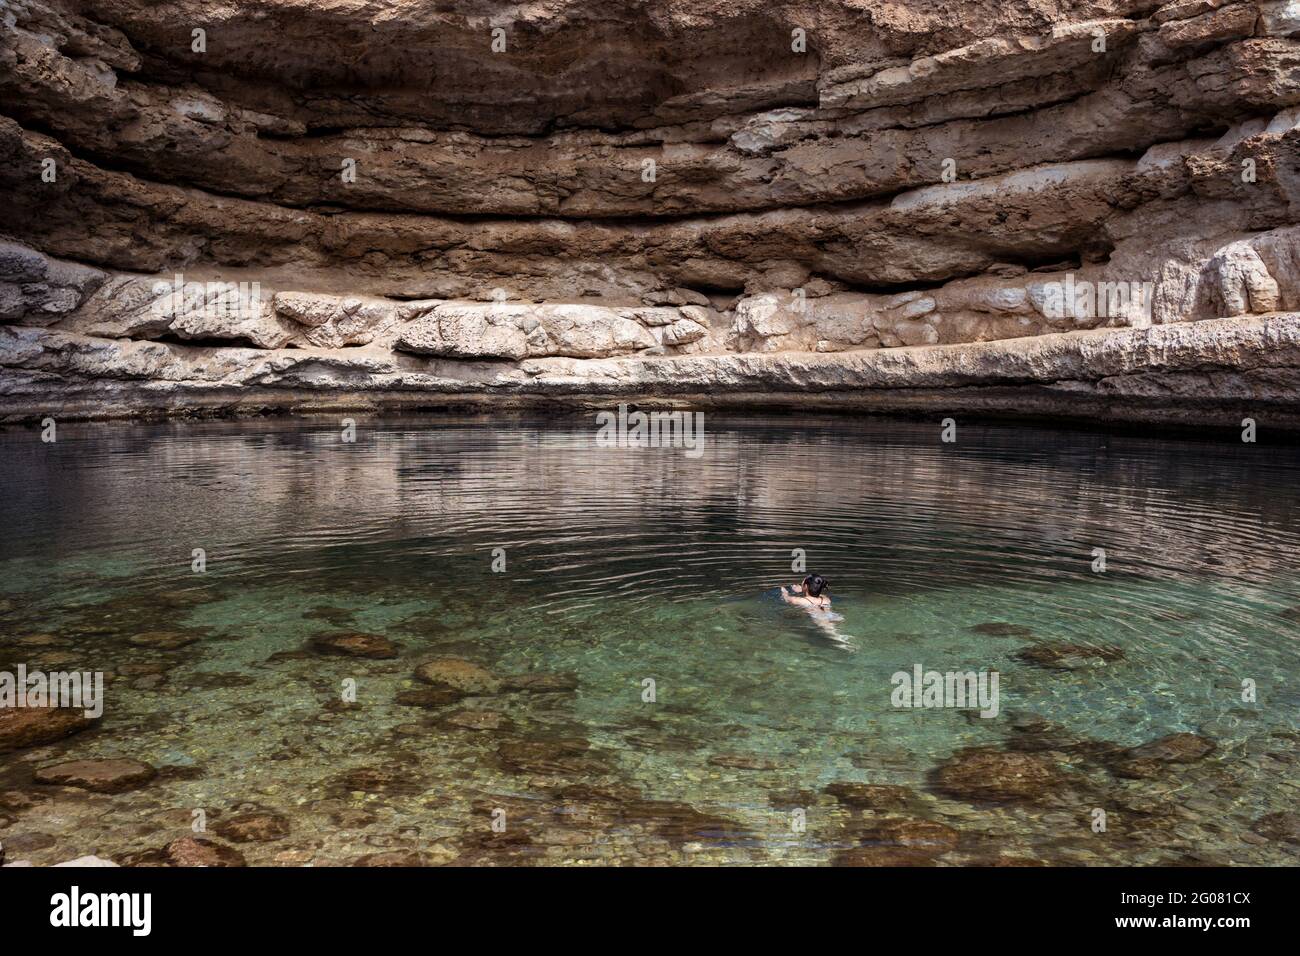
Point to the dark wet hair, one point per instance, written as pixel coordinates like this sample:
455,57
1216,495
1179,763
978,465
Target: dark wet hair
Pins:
815,584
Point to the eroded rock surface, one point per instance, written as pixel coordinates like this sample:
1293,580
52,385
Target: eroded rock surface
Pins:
614,189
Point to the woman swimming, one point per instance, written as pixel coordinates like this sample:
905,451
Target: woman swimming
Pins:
811,595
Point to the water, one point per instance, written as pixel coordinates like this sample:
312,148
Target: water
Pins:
624,566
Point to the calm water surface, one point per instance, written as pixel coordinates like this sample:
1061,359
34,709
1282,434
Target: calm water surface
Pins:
624,566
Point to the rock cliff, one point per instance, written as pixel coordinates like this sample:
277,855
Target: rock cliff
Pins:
1049,208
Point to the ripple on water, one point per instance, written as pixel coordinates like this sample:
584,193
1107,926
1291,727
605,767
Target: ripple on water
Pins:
299,690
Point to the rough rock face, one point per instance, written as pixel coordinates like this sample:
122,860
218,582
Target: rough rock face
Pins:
996,207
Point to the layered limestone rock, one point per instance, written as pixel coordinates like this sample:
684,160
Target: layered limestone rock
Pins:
268,203
1213,372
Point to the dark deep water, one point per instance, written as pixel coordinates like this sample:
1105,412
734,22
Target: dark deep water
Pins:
627,565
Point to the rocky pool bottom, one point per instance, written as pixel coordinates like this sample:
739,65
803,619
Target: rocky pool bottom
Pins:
349,682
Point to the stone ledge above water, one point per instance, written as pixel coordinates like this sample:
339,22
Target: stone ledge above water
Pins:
1209,373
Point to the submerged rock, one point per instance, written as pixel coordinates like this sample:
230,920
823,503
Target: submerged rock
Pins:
1284,827
915,834
101,776
394,858
352,818
35,726
430,698
296,654
742,762
338,616
985,775
39,640
1031,732
477,720
197,851
256,826
554,756
162,640
1002,629
219,680
786,800
355,644
880,855
683,823
1060,655
1175,748
1151,759
383,778
458,674
1013,861
874,796
541,683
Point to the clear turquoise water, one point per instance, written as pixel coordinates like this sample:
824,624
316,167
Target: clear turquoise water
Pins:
630,564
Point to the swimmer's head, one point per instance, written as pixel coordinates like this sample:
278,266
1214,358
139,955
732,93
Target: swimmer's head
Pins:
815,584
